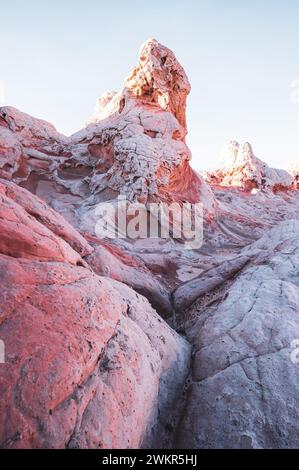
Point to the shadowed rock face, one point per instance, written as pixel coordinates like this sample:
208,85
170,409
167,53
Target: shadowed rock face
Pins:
89,361
245,387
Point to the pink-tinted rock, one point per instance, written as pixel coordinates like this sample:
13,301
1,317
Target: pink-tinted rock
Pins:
28,144
241,168
109,260
30,229
10,153
134,144
144,128
42,213
89,363
24,236
159,78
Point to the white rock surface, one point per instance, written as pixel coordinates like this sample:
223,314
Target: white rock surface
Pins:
245,388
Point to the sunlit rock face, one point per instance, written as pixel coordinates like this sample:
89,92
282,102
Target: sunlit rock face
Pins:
141,130
31,229
88,362
133,145
242,169
28,144
158,79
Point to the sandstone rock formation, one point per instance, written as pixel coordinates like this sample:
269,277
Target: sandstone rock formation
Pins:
28,144
140,134
241,168
31,230
133,145
90,363
109,260
245,388
136,149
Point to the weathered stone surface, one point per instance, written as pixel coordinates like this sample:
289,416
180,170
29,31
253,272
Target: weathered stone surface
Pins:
111,261
10,153
28,230
190,291
134,144
42,213
140,132
241,168
245,388
28,144
88,362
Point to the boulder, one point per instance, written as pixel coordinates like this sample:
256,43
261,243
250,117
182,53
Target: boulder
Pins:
88,362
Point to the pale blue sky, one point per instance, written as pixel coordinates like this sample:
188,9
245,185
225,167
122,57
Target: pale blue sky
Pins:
58,56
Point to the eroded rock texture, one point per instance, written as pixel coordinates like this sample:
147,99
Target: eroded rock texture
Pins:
142,132
245,388
31,229
133,145
90,363
241,168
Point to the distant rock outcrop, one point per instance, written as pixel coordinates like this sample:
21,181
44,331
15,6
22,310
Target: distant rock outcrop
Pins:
242,169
